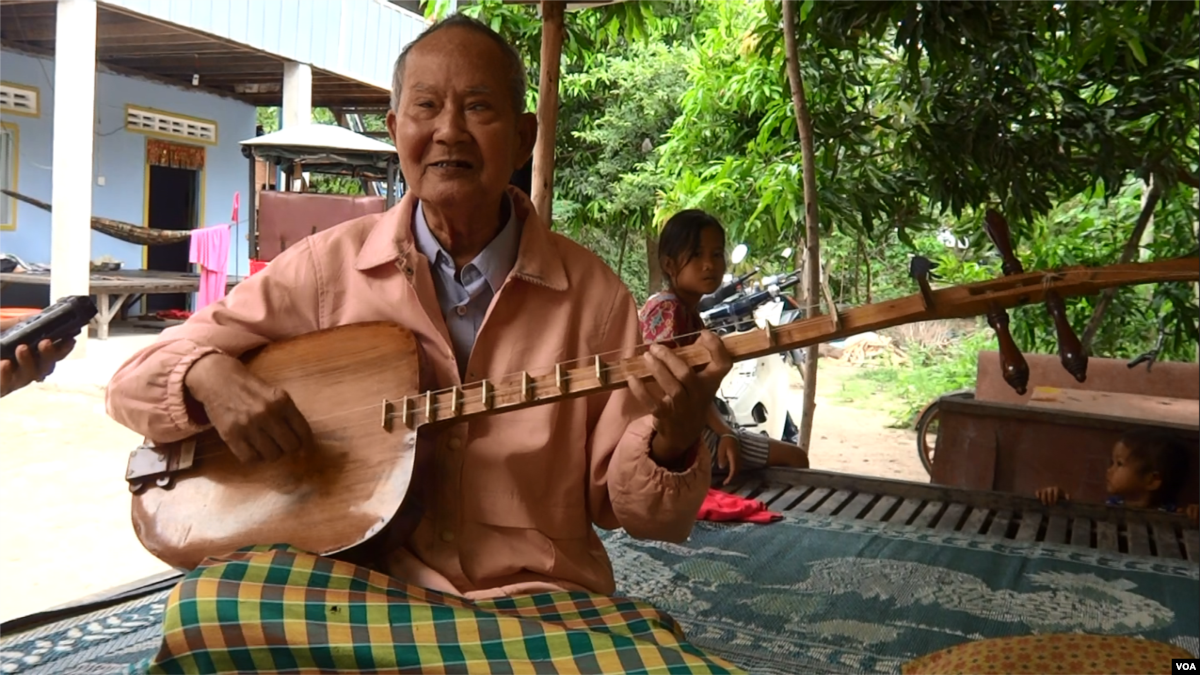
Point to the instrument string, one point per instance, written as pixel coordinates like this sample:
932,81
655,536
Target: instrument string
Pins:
504,387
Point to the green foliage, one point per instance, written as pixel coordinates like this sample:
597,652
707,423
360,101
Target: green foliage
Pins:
615,115
735,148
1092,229
931,373
1020,104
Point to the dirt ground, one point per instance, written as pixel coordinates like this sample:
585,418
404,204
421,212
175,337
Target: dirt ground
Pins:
64,508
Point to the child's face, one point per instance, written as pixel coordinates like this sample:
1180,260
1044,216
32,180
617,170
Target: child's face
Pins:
1127,477
703,271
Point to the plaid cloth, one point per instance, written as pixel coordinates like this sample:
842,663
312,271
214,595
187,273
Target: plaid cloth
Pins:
279,609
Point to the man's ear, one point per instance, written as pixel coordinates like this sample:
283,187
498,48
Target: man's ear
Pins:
527,129
391,127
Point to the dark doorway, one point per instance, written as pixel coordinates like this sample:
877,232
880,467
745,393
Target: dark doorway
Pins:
173,198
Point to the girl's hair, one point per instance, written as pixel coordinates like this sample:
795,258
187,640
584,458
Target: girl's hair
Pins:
1160,452
680,238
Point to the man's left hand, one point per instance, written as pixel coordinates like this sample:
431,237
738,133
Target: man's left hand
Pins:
25,368
680,398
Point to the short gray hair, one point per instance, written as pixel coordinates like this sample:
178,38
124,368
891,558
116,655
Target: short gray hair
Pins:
516,80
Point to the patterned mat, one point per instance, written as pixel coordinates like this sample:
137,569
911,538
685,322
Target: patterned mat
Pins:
808,594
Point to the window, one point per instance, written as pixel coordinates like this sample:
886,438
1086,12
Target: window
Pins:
8,176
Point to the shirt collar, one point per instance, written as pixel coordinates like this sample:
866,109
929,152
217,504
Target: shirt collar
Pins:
494,262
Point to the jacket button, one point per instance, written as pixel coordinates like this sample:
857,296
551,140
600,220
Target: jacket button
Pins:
454,444
447,536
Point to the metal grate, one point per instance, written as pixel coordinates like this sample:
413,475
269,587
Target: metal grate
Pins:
991,514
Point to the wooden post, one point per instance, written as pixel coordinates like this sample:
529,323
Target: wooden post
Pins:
811,241
547,110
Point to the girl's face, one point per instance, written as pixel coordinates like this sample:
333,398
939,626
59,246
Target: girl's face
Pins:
1127,477
702,272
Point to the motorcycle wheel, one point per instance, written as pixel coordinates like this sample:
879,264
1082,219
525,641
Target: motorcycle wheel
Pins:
927,424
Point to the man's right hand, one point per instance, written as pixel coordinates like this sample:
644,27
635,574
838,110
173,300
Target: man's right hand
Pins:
256,420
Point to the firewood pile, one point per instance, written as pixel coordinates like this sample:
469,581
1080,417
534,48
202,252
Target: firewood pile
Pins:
870,347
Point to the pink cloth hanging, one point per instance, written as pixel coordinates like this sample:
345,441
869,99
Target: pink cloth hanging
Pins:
210,250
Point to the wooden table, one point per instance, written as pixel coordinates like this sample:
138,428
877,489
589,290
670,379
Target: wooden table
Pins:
1133,407
115,292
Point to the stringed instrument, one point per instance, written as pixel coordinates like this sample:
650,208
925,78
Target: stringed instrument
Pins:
194,499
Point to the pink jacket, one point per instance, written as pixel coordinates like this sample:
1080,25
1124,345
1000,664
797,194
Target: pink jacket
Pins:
515,495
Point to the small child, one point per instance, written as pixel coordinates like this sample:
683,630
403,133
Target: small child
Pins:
691,253
1147,472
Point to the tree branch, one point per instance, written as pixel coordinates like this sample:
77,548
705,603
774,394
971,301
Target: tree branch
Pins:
1149,202
1187,179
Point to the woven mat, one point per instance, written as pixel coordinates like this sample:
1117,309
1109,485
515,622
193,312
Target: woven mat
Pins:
808,594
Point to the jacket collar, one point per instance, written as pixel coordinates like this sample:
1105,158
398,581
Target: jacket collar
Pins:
538,258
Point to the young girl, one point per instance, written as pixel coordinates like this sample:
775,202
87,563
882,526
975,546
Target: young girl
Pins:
691,254
1147,472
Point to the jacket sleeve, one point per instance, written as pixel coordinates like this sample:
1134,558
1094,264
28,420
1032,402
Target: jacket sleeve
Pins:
147,392
627,488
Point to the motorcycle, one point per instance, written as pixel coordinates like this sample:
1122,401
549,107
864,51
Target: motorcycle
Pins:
754,390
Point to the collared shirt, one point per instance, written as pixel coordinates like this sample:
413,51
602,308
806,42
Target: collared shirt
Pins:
465,296
509,503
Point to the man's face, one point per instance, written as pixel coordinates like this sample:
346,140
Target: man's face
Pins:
458,138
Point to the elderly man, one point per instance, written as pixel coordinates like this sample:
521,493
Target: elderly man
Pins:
29,367
465,263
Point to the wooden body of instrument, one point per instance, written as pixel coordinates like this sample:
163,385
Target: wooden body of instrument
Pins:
358,386
339,495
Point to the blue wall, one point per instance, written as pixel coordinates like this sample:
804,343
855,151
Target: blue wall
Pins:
120,156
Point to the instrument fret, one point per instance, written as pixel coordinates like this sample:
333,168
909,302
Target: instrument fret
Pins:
485,392
559,378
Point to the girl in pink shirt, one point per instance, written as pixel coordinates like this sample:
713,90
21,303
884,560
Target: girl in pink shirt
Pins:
691,254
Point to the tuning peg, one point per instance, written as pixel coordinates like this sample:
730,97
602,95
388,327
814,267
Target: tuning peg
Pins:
1012,362
921,269
1070,349
997,230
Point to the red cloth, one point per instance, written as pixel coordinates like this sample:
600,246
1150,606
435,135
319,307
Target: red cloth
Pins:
721,506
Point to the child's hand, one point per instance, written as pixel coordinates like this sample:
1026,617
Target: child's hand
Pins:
1051,495
728,456
1193,513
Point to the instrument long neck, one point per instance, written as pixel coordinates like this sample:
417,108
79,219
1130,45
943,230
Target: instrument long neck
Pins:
606,373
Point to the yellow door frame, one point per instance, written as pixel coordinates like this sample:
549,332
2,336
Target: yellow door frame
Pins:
200,192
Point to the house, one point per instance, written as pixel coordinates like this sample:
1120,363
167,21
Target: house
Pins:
139,115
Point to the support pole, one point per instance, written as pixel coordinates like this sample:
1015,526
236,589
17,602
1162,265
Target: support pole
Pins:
297,94
811,244
547,110
74,129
